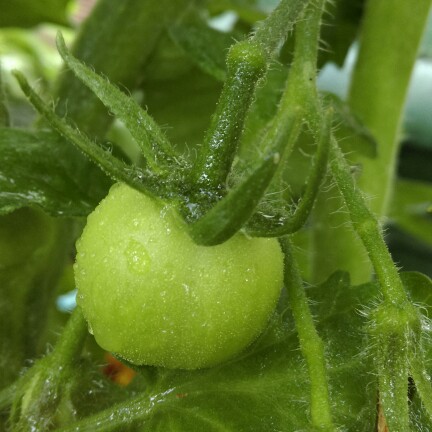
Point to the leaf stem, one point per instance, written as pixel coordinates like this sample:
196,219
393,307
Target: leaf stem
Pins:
311,344
368,229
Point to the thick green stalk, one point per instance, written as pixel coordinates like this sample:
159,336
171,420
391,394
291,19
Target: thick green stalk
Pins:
116,40
379,86
311,344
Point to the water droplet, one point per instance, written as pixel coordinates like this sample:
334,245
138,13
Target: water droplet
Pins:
137,257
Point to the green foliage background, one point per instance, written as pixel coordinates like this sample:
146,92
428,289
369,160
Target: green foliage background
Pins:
167,57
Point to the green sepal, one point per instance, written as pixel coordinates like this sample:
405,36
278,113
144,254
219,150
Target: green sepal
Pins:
246,66
228,215
275,225
154,145
134,176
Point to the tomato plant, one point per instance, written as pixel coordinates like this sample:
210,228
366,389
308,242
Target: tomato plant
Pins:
217,202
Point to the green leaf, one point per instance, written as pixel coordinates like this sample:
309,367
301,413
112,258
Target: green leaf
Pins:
411,208
248,10
415,161
141,179
27,13
182,103
349,125
229,214
206,47
341,27
266,389
40,169
33,249
117,40
420,288
153,143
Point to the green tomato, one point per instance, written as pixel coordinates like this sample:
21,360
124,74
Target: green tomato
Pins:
154,297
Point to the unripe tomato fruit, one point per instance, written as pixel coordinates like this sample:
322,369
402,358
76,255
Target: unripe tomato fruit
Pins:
154,297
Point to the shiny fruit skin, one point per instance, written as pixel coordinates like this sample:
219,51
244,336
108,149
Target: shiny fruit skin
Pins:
154,297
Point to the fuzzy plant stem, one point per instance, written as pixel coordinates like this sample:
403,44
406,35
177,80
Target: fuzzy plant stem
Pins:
72,339
368,229
311,344
395,324
40,391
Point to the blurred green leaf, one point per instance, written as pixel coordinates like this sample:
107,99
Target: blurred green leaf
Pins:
248,10
411,208
415,161
340,30
40,169
33,248
182,104
206,47
27,13
348,125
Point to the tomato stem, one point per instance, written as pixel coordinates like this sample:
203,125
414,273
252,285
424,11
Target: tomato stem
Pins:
311,344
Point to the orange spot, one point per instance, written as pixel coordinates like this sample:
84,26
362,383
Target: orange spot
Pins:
118,372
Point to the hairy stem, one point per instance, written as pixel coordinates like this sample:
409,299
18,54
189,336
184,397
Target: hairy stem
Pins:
311,344
368,229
